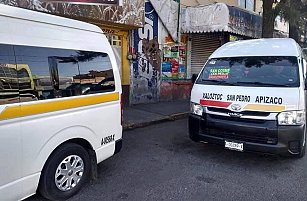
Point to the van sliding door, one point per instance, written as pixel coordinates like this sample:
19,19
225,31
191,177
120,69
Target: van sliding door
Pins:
10,141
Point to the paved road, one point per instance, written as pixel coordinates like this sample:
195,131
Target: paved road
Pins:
160,163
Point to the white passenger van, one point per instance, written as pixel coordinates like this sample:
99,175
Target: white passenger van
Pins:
251,96
60,110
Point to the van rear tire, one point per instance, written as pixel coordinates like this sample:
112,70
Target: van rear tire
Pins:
65,172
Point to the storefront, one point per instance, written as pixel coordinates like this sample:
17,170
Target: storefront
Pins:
211,26
159,69
176,84
119,40
202,46
115,17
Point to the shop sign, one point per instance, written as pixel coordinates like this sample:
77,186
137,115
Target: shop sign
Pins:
244,23
110,31
146,41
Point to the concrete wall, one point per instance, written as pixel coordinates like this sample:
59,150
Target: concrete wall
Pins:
167,11
175,90
206,2
259,4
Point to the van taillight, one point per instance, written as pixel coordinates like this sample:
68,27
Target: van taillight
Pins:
121,109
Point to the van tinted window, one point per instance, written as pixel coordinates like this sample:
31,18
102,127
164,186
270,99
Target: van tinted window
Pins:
271,71
57,73
8,76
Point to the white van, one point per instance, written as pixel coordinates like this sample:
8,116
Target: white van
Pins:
251,96
60,104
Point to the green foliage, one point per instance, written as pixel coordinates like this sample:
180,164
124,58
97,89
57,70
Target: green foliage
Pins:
292,11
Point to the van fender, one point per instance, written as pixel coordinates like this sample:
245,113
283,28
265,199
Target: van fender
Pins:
73,132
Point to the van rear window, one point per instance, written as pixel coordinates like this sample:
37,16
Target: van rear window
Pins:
271,71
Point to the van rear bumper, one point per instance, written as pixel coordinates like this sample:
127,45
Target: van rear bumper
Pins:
118,145
288,139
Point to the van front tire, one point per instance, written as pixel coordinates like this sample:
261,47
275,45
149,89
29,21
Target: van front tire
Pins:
65,172
302,152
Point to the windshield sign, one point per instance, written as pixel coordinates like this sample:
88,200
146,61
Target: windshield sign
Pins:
270,71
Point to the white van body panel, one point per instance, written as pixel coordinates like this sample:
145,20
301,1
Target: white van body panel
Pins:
25,143
259,47
17,188
10,151
290,97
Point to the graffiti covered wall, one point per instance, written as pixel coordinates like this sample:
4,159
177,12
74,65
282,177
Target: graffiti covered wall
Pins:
145,74
131,12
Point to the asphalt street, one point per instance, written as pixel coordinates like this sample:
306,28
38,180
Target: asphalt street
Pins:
159,162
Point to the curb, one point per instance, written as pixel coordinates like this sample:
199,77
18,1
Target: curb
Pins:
172,117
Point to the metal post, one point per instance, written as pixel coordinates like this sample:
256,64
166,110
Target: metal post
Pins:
178,22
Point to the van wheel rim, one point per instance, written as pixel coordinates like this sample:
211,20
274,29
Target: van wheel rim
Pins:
69,173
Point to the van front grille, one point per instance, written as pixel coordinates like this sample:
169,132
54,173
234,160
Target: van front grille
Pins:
244,113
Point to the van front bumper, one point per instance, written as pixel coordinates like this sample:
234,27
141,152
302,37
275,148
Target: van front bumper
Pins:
264,137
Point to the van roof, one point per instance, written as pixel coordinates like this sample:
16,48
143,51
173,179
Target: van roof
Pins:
21,13
259,47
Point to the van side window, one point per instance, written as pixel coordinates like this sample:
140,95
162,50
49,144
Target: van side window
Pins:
8,76
96,73
60,73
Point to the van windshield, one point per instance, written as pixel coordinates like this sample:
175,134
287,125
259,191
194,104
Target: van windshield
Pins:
270,71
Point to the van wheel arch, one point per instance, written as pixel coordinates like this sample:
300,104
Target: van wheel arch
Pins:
78,142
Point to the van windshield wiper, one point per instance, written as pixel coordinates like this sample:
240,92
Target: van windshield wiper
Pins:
218,81
264,84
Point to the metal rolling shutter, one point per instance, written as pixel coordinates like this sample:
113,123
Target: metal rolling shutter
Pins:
203,45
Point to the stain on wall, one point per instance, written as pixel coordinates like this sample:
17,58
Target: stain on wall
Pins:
175,90
145,73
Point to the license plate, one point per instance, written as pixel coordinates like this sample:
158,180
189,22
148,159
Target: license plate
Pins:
234,146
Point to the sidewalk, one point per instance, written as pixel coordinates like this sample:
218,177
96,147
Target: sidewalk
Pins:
146,114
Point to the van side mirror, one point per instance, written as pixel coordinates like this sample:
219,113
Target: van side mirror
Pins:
194,77
305,82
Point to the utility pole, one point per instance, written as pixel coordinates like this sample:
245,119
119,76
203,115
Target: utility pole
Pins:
178,22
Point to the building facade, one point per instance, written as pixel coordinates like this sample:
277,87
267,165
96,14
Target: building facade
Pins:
184,35
210,26
159,72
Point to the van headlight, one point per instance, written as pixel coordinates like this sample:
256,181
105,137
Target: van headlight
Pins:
291,118
197,109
